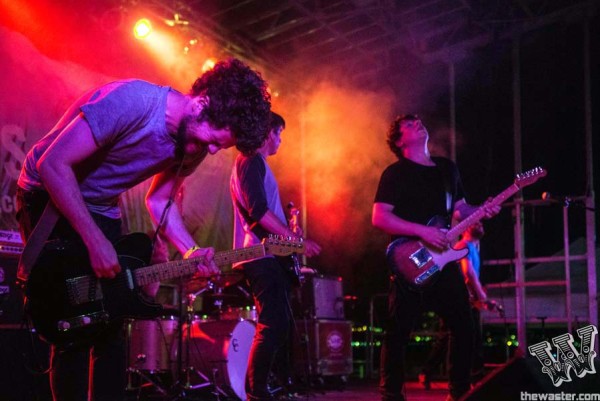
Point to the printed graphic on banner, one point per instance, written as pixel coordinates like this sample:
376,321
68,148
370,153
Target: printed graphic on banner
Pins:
568,359
12,154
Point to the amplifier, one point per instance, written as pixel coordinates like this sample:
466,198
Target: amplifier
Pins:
322,348
11,297
321,297
11,243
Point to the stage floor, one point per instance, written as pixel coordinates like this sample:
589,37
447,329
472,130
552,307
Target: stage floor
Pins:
368,391
357,390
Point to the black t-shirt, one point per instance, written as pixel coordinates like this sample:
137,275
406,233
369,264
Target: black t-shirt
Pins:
418,192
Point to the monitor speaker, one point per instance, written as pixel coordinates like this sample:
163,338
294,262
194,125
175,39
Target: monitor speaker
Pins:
321,297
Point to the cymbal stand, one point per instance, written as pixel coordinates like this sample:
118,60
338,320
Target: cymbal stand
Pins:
188,318
218,302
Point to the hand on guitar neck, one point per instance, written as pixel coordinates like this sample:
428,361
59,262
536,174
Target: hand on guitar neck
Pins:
312,248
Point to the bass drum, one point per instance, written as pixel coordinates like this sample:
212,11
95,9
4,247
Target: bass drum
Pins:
220,349
151,343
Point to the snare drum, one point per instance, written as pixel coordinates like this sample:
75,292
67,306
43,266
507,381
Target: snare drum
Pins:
240,313
151,343
220,350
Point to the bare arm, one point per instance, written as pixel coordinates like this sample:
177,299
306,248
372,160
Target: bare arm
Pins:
471,280
56,167
384,219
272,224
173,227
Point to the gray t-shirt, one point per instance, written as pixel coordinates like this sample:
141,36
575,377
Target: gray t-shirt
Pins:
254,190
127,119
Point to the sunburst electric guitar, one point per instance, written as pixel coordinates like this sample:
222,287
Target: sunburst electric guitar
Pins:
418,264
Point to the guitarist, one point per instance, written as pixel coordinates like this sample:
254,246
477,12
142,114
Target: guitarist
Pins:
411,191
258,211
109,140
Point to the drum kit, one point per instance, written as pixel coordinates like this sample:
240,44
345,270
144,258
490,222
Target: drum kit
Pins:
176,354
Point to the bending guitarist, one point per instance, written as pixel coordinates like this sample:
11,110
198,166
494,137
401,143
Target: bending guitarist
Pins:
412,191
109,140
258,211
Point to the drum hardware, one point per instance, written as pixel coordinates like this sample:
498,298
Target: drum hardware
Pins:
190,371
147,359
160,357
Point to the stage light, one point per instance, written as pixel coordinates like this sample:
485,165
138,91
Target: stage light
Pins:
176,21
208,65
188,47
142,28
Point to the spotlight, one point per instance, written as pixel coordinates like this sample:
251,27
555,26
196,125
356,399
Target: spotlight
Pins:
142,28
208,65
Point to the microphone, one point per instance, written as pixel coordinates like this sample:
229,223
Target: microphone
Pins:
243,291
547,196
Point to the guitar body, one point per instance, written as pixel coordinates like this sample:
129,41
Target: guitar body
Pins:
65,314
417,264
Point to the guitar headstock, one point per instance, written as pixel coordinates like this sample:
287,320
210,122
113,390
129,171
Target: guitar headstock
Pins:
529,177
279,245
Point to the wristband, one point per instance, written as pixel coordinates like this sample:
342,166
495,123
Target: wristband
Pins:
193,249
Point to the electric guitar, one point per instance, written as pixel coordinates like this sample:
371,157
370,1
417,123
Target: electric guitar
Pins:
69,305
418,264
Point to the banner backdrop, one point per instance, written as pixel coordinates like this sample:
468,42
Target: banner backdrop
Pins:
35,91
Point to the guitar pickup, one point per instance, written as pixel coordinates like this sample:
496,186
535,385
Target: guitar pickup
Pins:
423,277
82,321
421,257
84,289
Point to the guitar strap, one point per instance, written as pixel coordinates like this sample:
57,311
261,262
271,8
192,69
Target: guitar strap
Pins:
445,172
36,241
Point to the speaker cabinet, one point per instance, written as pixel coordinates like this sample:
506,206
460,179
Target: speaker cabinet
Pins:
11,297
321,297
322,348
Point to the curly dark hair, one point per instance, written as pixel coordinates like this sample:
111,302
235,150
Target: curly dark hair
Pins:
394,132
238,100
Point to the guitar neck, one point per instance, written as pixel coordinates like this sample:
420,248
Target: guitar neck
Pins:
187,267
461,227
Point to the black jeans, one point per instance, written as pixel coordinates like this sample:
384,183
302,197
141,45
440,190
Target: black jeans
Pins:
270,288
76,371
448,297
439,350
